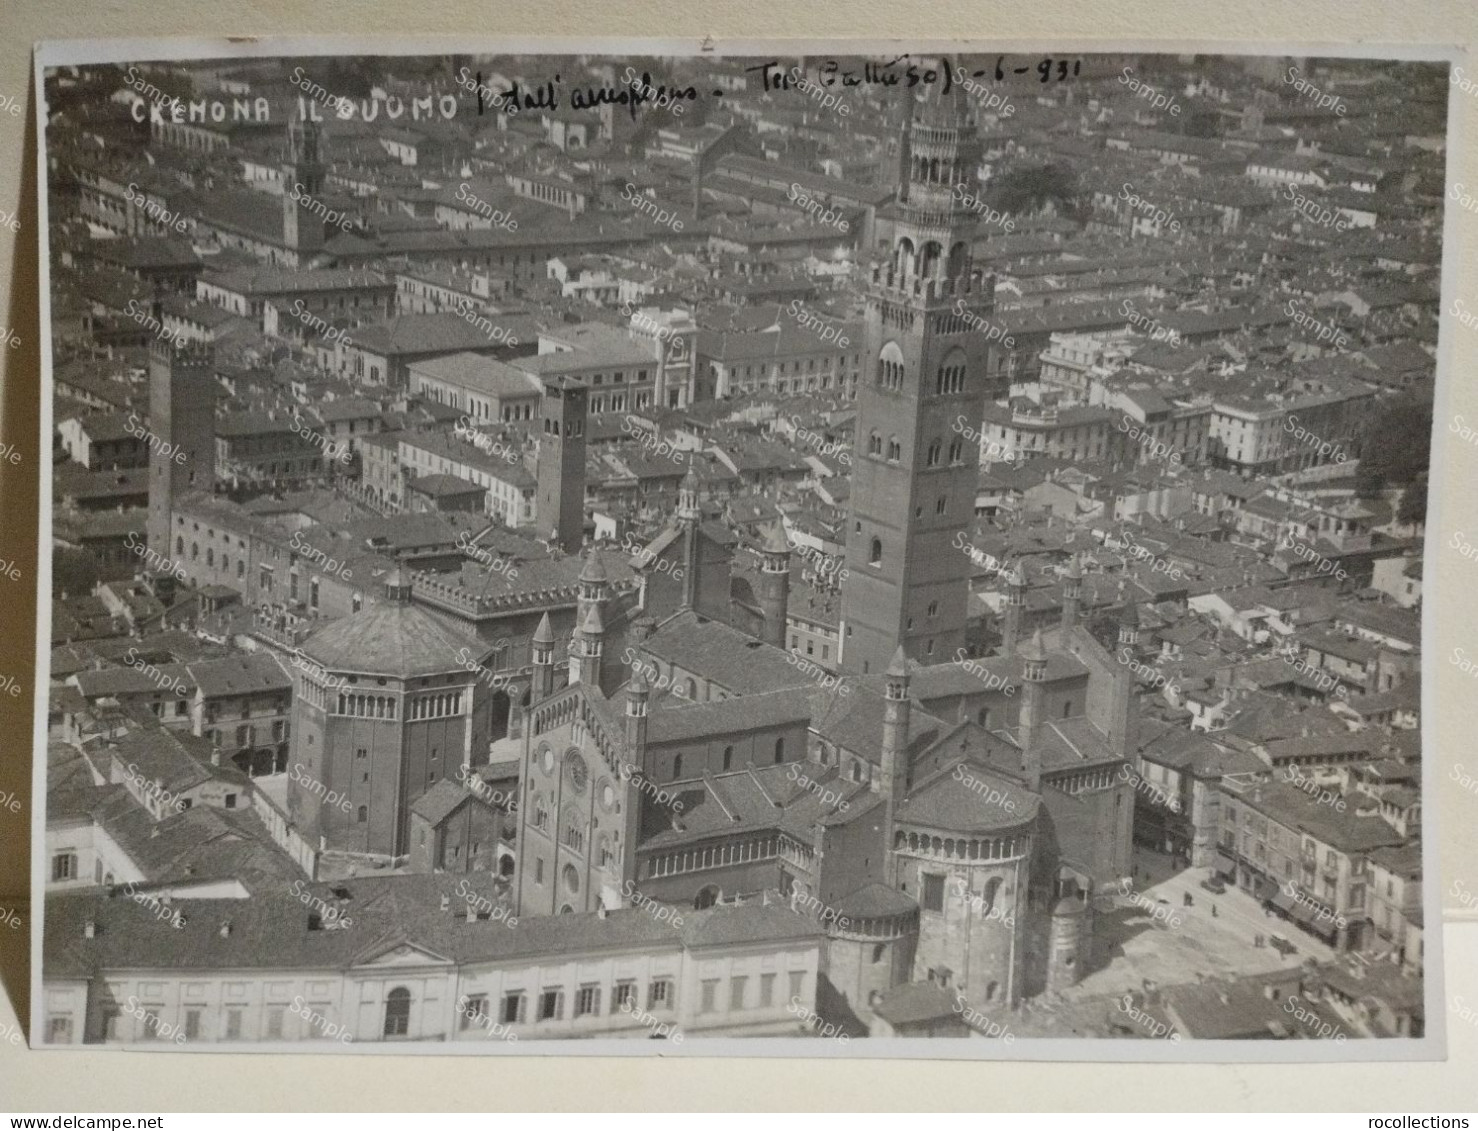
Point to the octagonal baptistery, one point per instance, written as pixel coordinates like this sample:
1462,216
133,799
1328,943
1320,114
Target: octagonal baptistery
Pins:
388,702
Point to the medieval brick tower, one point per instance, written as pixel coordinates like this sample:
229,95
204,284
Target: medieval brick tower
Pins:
924,372
560,507
182,415
302,190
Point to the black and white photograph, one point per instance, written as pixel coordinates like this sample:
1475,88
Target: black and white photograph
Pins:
673,552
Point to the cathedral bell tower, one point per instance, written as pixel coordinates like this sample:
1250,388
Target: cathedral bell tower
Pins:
922,383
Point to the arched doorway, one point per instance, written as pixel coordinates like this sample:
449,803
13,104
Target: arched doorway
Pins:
398,1012
498,711
706,897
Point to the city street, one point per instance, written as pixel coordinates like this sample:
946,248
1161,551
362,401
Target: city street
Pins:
1174,943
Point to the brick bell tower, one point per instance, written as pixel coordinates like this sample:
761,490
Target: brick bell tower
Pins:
303,228
182,415
923,369
559,507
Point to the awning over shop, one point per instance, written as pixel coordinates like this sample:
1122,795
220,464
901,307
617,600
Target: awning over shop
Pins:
1282,901
1265,889
1324,926
1225,865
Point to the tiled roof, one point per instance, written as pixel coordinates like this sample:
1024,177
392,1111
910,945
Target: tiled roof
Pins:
392,638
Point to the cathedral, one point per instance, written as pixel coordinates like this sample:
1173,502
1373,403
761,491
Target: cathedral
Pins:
948,821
